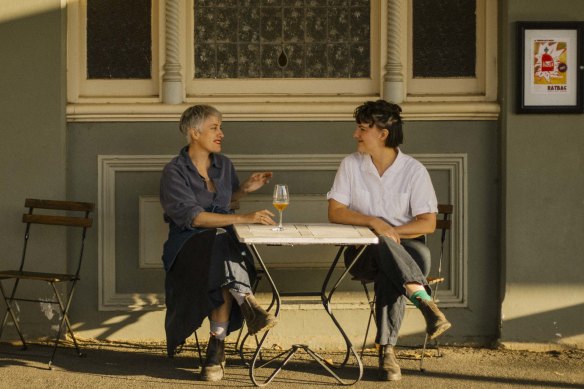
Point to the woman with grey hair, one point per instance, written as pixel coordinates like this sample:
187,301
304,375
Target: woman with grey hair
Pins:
390,192
197,189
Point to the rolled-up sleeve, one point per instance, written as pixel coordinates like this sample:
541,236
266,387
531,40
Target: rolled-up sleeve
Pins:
341,190
423,198
177,198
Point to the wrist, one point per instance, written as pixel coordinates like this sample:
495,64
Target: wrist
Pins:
244,189
374,222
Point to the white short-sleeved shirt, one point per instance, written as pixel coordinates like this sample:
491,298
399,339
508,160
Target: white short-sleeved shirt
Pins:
403,191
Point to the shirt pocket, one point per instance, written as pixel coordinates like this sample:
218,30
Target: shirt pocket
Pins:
397,203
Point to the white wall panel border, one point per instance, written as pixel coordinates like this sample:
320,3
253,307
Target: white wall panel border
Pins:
110,165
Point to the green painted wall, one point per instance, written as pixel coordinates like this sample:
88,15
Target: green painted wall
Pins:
86,141
32,127
525,183
543,223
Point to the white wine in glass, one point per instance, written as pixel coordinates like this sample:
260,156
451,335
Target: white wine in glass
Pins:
281,201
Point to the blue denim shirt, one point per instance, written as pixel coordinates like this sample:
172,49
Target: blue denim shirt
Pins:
184,195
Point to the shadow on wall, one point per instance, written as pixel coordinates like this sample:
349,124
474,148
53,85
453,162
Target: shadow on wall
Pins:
558,326
552,327
549,327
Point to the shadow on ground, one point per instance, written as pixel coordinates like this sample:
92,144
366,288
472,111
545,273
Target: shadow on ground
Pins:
130,365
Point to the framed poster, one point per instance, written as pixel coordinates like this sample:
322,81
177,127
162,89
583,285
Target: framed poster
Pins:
549,67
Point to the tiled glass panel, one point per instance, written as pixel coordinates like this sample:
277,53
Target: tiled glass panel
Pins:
338,24
226,59
360,55
249,25
226,25
315,66
119,40
271,25
293,24
248,60
271,3
206,60
339,63
444,38
295,60
316,25
269,57
282,39
316,3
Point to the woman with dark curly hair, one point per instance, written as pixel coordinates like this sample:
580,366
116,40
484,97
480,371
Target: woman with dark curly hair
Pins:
390,192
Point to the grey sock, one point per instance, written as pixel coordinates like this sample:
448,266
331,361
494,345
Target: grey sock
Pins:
219,329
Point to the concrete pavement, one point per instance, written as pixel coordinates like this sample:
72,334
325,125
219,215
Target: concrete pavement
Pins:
141,365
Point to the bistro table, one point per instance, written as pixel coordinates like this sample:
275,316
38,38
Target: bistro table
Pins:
305,234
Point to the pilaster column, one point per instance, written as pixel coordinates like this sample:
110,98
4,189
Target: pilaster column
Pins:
172,86
393,80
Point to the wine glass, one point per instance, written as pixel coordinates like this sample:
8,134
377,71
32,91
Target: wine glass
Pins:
281,201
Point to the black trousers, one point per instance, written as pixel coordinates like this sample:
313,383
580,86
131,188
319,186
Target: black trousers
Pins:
206,263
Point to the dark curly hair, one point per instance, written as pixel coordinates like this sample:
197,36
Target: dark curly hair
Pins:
384,115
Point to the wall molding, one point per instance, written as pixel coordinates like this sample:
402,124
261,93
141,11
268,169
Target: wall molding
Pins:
300,109
109,299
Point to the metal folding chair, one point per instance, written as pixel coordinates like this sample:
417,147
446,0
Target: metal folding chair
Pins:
61,299
443,224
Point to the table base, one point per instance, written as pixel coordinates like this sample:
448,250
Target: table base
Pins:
257,360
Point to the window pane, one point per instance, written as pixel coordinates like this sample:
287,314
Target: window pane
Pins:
119,39
444,38
282,39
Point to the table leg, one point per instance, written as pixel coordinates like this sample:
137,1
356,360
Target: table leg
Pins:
276,301
326,303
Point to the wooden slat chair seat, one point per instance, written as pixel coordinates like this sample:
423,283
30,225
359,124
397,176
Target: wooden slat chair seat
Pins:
33,275
443,224
435,280
61,299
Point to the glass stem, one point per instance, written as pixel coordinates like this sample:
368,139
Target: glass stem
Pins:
280,225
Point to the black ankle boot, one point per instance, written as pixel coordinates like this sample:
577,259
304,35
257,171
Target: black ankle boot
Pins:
389,369
214,366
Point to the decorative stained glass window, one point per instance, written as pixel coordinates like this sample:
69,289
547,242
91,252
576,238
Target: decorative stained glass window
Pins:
282,39
444,38
119,40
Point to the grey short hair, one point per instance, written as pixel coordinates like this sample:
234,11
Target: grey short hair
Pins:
194,117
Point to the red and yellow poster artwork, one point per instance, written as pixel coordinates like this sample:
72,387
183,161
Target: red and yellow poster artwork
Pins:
550,66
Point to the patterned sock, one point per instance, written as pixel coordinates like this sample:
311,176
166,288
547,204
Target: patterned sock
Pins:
219,329
422,294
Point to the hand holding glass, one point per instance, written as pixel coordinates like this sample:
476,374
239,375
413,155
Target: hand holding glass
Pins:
281,201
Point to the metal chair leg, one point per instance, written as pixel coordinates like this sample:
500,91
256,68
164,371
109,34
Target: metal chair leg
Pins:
371,316
65,313
64,321
10,311
423,353
199,349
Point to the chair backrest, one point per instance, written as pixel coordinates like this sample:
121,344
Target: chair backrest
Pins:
444,224
67,220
